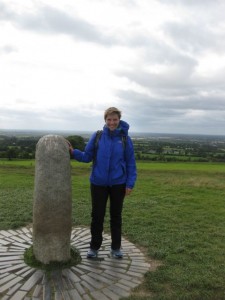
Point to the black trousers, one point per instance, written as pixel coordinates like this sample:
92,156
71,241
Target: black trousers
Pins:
100,195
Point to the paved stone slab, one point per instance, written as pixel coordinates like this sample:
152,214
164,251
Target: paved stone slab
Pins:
5,233
19,295
8,285
32,281
71,276
75,295
37,291
13,289
102,279
111,295
99,296
119,291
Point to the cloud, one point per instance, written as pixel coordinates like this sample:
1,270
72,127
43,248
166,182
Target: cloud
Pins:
7,49
5,12
147,102
190,114
192,3
166,69
48,20
194,38
54,118
200,26
170,77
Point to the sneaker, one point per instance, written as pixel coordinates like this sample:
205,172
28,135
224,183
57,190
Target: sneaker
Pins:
117,253
92,253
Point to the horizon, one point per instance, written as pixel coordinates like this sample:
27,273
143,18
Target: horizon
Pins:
89,132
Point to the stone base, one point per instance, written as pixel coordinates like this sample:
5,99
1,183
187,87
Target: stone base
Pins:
103,278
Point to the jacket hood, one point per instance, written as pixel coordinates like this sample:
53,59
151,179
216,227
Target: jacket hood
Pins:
121,129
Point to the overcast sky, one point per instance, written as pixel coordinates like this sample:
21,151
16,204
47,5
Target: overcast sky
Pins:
63,62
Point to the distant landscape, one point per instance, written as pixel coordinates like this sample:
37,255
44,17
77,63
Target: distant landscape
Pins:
21,144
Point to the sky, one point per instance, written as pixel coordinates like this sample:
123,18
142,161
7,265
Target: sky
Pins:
64,62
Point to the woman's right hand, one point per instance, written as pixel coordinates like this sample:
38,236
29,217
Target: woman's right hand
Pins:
70,147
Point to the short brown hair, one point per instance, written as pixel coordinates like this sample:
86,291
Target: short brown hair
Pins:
112,110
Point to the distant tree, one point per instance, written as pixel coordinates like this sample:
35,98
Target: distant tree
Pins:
138,155
11,153
159,149
77,142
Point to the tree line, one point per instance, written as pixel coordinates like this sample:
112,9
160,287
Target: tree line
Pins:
12,147
24,147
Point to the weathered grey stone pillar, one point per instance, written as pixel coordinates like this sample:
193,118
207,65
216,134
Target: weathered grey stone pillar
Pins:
52,207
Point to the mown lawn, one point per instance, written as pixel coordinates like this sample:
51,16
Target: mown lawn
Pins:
176,214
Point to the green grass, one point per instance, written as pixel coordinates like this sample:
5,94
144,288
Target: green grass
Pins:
176,214
179,217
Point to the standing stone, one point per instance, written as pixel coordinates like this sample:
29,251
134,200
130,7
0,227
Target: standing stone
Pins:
52,207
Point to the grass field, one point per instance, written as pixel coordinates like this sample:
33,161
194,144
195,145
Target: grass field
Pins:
176,215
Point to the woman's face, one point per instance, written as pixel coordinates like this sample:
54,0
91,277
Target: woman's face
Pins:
112,121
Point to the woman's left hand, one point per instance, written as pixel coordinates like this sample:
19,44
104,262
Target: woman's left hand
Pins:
128,192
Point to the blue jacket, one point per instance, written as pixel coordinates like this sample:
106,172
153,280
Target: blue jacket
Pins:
113,164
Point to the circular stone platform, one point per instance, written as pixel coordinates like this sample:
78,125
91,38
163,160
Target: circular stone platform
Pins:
101,279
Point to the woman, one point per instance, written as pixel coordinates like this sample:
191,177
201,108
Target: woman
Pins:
113,176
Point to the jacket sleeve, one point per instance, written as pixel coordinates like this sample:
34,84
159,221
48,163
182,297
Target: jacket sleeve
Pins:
130,164
87,155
